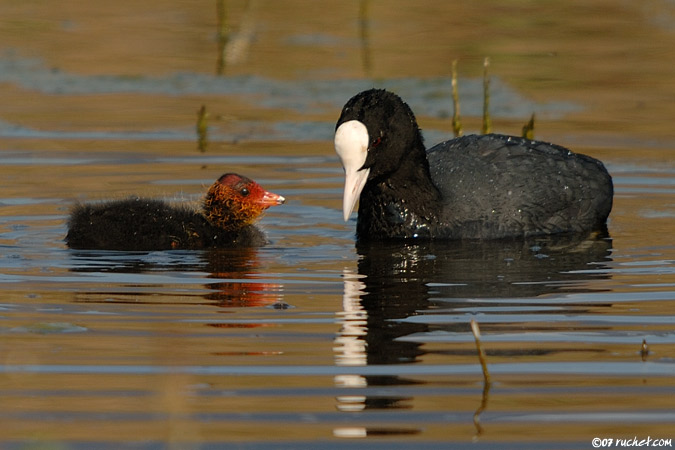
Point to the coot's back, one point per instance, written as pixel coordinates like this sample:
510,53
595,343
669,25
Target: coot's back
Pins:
500,186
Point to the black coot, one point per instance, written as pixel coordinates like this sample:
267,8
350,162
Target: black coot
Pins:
230,208
473,187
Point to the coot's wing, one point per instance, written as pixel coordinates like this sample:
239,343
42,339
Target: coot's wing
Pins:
500,186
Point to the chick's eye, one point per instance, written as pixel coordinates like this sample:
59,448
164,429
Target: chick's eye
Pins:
244,192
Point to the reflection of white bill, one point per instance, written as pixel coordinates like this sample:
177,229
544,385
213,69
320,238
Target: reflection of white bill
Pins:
352,432
350,345
350,349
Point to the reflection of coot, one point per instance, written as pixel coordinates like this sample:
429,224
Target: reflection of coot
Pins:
230,208
402,280
472,187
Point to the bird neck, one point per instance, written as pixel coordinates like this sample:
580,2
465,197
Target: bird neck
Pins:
405,203
224,214
412,180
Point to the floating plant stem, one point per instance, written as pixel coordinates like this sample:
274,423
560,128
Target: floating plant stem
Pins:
364,34
487,122
486,379
456,121
480,409
528,128
221,9
644,350
202,129
481,353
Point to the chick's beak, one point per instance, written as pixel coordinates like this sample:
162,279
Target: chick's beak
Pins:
271,199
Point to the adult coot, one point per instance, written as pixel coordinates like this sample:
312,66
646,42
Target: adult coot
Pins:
230,208
472,187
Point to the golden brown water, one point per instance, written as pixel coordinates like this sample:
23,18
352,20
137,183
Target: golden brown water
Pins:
309,341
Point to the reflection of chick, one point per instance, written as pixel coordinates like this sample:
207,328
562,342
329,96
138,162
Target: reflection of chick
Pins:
230,208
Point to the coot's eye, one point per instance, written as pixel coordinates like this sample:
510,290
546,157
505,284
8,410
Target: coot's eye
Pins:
244,192
376,142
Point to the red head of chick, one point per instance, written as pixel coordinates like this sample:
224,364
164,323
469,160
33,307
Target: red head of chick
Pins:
235,201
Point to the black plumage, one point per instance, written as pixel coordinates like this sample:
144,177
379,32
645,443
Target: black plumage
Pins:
226,219
472,187
148,224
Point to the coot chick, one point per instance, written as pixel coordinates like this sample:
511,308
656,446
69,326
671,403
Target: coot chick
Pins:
231,206
472,187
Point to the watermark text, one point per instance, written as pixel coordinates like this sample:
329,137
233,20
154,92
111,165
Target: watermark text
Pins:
599,442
